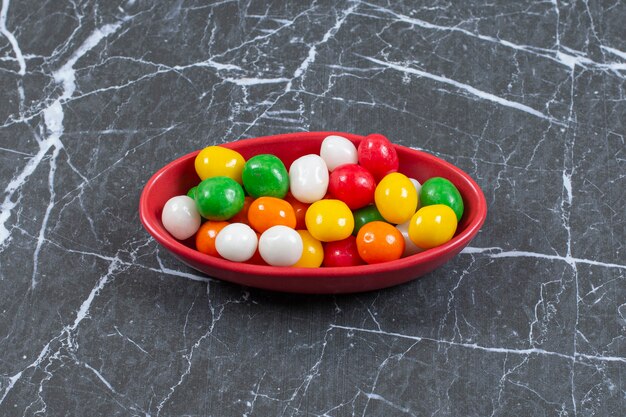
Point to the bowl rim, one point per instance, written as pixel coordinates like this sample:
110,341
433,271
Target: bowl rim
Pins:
152,224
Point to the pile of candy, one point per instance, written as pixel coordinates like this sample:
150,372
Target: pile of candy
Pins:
343,207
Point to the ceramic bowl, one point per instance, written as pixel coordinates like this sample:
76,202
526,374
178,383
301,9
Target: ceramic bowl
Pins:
178,176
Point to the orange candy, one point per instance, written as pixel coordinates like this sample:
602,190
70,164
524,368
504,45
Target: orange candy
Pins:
242,216
299,208
379,242
205,237
266,212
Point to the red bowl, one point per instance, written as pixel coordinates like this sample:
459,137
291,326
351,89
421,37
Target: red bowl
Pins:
178,176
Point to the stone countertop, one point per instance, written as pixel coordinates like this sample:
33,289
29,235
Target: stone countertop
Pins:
527,97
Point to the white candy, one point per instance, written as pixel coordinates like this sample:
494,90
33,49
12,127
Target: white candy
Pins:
418,188
337,150
410,248
280,246
308,178
236,242
180,217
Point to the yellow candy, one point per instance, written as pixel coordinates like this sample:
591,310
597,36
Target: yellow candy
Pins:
312,251
396,198
432,226
216,161
329,220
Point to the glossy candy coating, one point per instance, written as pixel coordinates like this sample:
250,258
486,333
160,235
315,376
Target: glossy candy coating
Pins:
352,184
438,190
265,175
378,156
299,208
205,238
329,220
365,215
379,242
432,226
396,198
337,150
180,217
342,253
216,161
219,198
312,251
236,242
280,246
266,212
308,178
410,248
242,215
192,192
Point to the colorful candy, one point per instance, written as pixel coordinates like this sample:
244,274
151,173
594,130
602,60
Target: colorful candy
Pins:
236,242
432,226
312,251
180,217
439,190
308,178
337,150
378,156
217,161
365,215
396,198
266,212
265,175
329,220
379,242
219,198
299,208
410,248
352,184
280,246
205,238
342,253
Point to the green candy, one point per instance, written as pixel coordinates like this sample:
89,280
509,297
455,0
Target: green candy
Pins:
365,215
439,190
192,192
265,175
219,198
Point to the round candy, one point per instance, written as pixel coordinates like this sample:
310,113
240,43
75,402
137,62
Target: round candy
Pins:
280,246
266,212
396,198
299,208
219,198
217,161
410,248
308,178
416,184
365,215
180,217
352,184
337,150
432,226
342,253
329,220
205,238
265,175
192,192
378,156
379,242
242,216
312,251
439,190
236,242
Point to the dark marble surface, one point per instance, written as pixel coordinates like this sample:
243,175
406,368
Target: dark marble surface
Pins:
527,97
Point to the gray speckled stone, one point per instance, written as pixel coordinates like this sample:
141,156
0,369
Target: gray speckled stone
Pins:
528,98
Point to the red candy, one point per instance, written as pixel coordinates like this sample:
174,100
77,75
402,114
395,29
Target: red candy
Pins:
378,156
352,184
342,253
